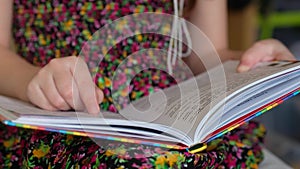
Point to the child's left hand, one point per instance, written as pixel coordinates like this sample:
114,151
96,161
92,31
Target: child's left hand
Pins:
262,51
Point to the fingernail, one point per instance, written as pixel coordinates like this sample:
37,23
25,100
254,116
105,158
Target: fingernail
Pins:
243,68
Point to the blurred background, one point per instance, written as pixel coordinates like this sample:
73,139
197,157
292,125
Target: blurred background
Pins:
251,20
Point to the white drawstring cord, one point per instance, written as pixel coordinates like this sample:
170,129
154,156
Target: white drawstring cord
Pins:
178,28
181,23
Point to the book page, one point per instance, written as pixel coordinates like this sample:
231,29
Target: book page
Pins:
237,80
17,108
181,106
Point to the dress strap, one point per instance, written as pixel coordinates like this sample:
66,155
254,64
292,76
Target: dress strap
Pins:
179,28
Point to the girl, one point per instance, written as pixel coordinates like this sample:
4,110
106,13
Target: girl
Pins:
48,36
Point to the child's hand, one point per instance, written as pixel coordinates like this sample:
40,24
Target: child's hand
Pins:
262,51
63,84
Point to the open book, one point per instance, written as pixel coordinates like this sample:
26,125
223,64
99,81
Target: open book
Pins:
178,117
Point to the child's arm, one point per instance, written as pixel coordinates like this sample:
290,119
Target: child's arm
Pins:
49,87
15,72
210,16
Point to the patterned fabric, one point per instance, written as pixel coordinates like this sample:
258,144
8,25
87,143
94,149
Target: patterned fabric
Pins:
49,29
42,149
55,29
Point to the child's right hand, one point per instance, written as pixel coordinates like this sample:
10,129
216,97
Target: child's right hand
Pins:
262,51
63,84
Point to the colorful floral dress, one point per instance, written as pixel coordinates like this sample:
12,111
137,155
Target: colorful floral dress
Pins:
45,30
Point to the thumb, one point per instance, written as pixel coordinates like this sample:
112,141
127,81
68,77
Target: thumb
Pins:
246,63
253,56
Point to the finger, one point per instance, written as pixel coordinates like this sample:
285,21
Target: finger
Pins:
51,93
37,97
78,103
64,85
285,54
260,52
86,87
99,94
280,51
248,60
